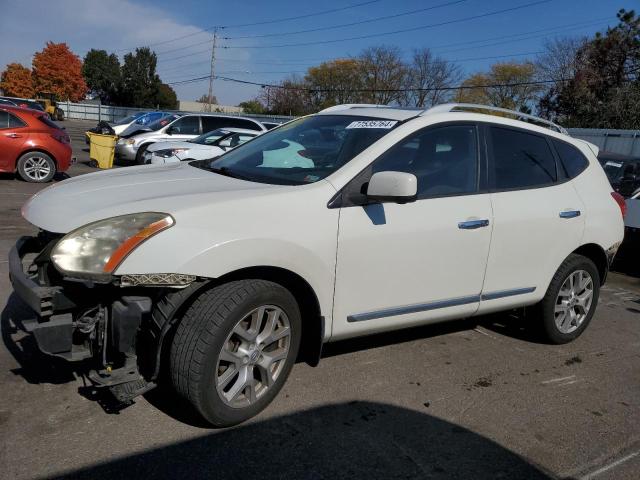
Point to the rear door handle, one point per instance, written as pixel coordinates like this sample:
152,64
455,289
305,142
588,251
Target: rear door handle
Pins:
13,135
570,214
473,224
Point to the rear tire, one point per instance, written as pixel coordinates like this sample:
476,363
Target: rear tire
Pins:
570,302
234,349
36,167
59,114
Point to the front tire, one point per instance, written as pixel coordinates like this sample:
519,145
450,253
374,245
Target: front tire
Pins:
570,301
234,349
140,154
36,167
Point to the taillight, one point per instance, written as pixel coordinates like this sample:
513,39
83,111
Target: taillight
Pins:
621,202
61,137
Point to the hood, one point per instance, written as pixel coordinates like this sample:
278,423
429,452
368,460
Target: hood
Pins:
154,147
134,129
167,188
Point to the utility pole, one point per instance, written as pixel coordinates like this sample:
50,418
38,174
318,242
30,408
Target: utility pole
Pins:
208,108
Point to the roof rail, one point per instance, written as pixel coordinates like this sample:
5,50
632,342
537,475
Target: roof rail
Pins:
347,106
476,108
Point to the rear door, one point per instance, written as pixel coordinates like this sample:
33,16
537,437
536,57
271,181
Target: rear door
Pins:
13,134
538,217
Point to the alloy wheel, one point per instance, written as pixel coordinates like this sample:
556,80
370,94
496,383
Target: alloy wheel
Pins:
574,301
253,356
37,168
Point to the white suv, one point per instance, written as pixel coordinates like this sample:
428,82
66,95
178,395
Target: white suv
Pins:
356,220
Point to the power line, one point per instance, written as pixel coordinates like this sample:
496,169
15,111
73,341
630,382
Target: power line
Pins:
474,43
298,17
247,72
351,24
398,90
264,22
393,32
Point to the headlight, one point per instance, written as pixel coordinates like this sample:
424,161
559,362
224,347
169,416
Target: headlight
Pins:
169,152
95,250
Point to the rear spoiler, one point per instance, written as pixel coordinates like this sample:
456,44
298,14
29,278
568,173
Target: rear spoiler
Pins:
594,148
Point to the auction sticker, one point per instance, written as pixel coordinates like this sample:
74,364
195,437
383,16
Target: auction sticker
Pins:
372,124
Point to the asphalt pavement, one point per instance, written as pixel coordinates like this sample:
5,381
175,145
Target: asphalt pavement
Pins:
467,399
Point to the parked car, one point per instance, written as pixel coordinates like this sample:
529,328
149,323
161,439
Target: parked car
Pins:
623,172
208,145
179,128
32,145
132,123
222,272
270,125
21,102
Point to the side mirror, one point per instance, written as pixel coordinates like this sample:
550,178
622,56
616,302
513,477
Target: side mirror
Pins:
170,131
395,187
226,143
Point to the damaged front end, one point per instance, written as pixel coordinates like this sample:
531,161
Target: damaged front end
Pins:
111,326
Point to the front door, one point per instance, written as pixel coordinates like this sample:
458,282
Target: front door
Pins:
406,264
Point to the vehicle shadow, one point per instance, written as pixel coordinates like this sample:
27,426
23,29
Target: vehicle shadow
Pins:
357,440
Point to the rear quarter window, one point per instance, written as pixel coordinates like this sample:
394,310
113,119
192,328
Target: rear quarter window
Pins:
572,161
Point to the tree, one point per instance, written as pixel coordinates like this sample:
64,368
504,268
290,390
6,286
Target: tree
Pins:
57,69
140,82
604,91
166,97
430,74
252,106
507,85
16,81
384,74
290,97
101,73
205,99
335,82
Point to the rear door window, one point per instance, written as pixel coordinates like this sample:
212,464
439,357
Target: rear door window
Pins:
520,160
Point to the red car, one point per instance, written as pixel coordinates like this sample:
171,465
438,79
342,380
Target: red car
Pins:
32,145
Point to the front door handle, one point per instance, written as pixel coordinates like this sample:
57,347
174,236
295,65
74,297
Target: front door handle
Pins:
570,214
473,224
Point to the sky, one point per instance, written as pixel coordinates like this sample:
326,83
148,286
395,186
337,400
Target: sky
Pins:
255,44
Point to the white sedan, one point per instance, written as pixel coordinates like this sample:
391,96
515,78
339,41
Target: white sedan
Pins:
208,145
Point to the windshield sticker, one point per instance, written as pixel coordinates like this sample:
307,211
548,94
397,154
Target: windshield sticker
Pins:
386,124
609,164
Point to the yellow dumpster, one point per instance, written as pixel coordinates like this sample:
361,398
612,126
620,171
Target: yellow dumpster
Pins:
102,149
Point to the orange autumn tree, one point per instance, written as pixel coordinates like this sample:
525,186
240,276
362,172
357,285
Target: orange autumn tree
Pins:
57,69
16,81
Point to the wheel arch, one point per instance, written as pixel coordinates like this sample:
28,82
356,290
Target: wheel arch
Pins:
169,310
598,256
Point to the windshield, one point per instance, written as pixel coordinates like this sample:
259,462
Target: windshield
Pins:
162,122
128,119
300,152
209,137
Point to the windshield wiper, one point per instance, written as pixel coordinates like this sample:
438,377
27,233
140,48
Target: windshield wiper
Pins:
228,173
